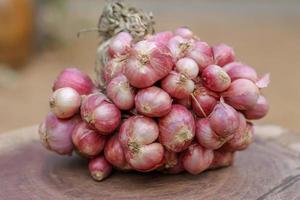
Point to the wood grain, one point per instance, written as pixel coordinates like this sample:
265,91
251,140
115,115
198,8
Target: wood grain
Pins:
269,169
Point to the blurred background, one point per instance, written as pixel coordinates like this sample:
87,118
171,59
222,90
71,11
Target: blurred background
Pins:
38,39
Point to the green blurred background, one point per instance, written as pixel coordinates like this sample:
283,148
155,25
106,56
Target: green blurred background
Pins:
38,39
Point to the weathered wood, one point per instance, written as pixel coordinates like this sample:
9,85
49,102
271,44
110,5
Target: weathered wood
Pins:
269,169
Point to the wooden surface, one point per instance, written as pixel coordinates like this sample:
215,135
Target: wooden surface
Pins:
269,169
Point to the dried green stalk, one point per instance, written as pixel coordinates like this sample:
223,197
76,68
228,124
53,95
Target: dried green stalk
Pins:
118,17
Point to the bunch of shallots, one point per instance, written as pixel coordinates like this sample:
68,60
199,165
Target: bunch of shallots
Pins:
171,103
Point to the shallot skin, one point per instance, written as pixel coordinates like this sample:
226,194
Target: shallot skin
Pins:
137,136
206,137
161,37
206,99
184,32
100,114
120,44
114,153
223,54
153,102
215,78
88,142
172,163
241,140
179,47
237,70
106,118
202,53
56,134
224,119
242,94
148,62
99,168
196,159
259,110
121,93
89,103
188,67
65,102
177,85
222,159
74,78
177,129
113,68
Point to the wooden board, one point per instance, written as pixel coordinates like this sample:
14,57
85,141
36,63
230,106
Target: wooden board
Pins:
269,169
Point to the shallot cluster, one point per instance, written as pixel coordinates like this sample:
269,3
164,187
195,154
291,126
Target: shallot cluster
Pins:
171,102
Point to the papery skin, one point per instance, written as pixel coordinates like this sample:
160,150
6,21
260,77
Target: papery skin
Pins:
206,137
188,67
88,142
177,85
137,136
177,129
161,37
241,140
237,70
242,94
121,93
153,102
259,110
65,102
206,98
74,78
56,134
114,153
184,32
202,53
223,54
222,159
148,62
106,118
215,78
196,159
172,163
113,68
224,120
99,168
120,44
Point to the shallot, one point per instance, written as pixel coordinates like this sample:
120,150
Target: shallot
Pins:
178,85
201,52
153,102
88,142
237,70
120,44
259,110
137,136
120,92
242,94
188,67
99,168
224,119
206,137
56,134
65,102
196,159
184,32
114,153
204,100
177,129
74,78
148,62
223,54
215,78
